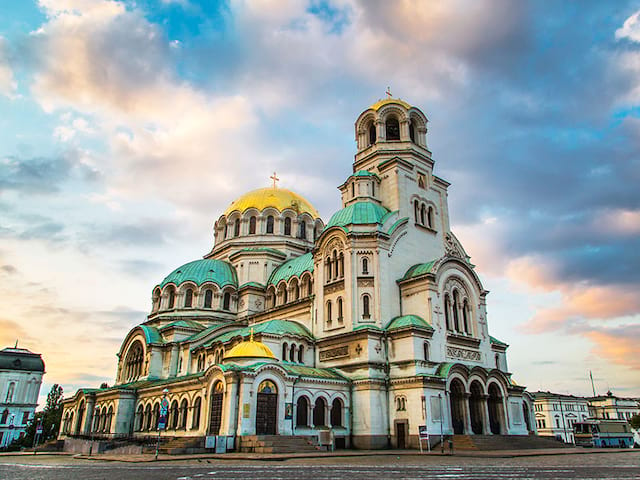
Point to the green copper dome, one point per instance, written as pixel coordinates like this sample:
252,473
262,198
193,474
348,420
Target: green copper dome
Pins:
359,213
200,271
294,267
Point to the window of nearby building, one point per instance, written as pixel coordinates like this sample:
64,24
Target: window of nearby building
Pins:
25,418
9,398
5,416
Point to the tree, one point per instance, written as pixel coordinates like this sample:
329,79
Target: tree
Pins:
635,422
50,417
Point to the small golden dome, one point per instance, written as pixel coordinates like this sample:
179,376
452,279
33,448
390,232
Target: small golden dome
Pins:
381,103
278,198
250,349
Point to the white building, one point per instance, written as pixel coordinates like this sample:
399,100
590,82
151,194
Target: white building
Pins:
368,326
611,407
555,414
20,379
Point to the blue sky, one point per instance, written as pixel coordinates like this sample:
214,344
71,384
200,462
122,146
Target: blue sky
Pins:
126,128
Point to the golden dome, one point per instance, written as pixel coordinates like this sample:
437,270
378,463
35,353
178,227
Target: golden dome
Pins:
278,198
250,349
381,103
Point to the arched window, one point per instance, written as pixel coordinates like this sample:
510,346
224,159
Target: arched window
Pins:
226,231
329,311
456,319
365,266
292,353
295,290
328,266
301,354
139,418
416,211
226,301
195,420
156,299
172,299
208,298
447,315
188,298
430,217
252,226
184,408
336,413
156,416
497,361
236,228
372,133
412,132
270,224
366,313
133,362
465,317
340,309
423,214
173,413
12,387
287,226
425,348
392,129
285,351
302,412
353,189
319,412
107,427
341,265
147,417
302,230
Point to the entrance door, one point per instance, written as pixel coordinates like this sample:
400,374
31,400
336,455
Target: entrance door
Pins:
216,409
267,409
495,409
475,408
401,431
457,400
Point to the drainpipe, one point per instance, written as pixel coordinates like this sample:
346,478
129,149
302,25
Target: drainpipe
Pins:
238,410
386,387
350,414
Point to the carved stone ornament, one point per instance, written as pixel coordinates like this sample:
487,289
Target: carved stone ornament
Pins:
452,247
258,303
332,353
241,303
464,354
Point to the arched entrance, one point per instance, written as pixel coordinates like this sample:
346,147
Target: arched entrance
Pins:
215,421
267,408
495,409
80,418
475,407
456,398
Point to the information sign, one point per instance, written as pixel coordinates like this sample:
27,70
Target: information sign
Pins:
423,436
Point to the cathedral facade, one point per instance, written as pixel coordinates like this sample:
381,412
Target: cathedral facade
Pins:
367,327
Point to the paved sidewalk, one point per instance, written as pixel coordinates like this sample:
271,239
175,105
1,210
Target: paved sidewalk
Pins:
353,453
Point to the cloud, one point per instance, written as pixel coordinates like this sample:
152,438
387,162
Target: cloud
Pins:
620,344
8,85
630,30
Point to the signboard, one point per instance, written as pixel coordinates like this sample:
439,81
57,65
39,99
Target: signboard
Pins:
210,441
423,436
221,444
162,422
164,404
246,410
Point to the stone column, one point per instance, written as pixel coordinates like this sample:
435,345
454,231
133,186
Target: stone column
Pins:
486,427
309,414
467,414
328,414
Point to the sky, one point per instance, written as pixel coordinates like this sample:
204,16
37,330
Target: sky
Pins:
126,129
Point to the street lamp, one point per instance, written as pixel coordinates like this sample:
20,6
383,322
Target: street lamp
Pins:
162,420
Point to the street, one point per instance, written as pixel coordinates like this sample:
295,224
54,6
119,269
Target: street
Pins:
624,465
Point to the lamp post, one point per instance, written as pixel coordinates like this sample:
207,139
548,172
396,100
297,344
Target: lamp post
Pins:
162,420
96,412
11,427
441,424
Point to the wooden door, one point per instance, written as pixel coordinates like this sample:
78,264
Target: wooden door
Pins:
266,413
400,435
216,414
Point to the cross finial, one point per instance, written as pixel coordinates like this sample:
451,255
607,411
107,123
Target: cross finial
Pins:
388,92
251,336
16,343
275,179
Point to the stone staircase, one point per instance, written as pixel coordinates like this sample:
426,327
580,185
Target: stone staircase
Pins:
504,442
178,446
277,444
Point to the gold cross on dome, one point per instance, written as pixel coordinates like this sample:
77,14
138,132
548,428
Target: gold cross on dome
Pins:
275,179
388,92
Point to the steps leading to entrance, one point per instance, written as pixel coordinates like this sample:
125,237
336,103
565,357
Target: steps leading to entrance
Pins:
277,444
504,442
178,446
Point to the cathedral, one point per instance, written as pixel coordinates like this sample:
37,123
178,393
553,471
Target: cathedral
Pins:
367,327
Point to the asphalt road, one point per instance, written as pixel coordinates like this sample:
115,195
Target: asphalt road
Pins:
601,467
